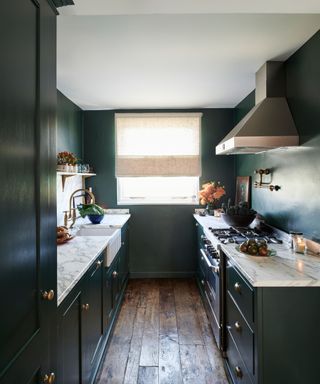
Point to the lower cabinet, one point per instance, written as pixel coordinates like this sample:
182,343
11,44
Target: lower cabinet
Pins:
86,317
272,332
69,342
92,320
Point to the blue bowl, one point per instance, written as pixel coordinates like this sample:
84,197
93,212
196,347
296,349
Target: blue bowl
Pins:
95,219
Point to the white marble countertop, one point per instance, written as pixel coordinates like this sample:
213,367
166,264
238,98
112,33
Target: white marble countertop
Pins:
109,220
75,257
286,269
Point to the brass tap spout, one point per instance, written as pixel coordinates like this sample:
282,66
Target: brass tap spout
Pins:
71,214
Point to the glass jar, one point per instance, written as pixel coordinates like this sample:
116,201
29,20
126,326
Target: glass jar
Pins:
298,242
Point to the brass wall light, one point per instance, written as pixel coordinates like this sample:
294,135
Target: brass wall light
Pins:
261,183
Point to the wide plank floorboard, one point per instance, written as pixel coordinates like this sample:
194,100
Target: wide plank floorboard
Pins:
162,336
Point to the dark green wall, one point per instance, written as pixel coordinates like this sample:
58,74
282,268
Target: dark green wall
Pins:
161,237
69,126
296,206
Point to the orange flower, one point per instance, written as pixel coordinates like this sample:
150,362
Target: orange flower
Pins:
211,192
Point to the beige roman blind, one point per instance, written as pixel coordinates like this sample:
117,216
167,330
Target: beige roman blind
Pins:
162,144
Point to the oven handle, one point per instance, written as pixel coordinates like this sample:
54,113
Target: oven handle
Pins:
214,268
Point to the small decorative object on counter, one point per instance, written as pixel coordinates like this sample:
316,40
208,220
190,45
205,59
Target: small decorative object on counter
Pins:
94,212
299,243
210,195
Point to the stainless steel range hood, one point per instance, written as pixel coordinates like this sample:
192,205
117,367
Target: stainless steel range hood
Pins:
269,124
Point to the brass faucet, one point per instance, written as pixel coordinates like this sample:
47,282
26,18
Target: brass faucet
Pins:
71,214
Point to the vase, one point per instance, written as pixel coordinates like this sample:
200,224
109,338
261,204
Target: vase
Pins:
210,208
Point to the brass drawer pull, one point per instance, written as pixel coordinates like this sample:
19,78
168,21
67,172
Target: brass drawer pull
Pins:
86,307
48,295
49,379
237,326
238,372
237,287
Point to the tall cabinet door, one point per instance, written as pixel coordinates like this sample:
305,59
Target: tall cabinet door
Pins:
27,203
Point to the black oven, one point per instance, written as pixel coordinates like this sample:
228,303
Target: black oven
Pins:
212,265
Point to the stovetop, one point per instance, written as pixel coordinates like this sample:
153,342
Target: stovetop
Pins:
240,234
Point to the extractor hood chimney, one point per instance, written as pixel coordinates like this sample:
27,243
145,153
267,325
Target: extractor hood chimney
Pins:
269,124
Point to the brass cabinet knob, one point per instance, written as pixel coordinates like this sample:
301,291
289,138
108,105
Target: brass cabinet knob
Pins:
85,307
237,287
202,282
237,326
48,295
238,372
98,264
114,274
49,379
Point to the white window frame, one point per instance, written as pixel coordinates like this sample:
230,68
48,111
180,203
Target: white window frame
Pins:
144,200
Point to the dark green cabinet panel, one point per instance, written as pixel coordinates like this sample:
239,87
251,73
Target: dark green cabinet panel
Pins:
69,330
28,217
241,292
108,298
92,321
86,319
280,345
124,256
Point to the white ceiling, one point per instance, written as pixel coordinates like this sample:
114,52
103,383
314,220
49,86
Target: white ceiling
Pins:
141,7
129,61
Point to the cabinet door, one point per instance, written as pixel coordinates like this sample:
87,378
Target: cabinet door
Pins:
92,320
69,350
27,204
124,256
107,298
115,280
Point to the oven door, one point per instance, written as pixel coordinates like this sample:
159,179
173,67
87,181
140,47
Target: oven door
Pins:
212,293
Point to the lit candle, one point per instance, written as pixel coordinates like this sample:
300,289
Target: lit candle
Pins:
298,244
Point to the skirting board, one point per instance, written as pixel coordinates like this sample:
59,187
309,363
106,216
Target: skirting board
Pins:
160,275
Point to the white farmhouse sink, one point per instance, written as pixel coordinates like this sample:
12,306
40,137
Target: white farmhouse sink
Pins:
114,243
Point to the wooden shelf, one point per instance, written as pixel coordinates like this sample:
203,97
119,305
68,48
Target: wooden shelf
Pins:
65,175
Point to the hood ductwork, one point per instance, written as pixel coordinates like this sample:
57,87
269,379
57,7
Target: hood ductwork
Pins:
269,124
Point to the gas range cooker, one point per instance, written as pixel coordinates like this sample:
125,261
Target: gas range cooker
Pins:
240,234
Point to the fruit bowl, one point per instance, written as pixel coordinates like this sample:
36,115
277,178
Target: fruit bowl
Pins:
238,220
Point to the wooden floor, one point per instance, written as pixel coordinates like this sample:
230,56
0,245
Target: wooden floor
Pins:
162,336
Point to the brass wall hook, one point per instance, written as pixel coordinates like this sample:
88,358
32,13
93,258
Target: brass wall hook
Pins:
263,184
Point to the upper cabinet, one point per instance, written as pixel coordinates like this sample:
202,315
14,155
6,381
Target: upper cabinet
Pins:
28,213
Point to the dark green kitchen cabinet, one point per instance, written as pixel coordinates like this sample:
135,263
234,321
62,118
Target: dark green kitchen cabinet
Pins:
92,320
200,273
28,200
86,318
80,328
272,332
124,256
69,345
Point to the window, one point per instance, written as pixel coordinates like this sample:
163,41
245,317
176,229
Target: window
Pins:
158,158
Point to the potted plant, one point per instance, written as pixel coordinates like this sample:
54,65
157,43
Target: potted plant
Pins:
210,195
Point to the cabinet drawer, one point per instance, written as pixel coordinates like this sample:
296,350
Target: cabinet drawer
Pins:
241,333
236,366
241,292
